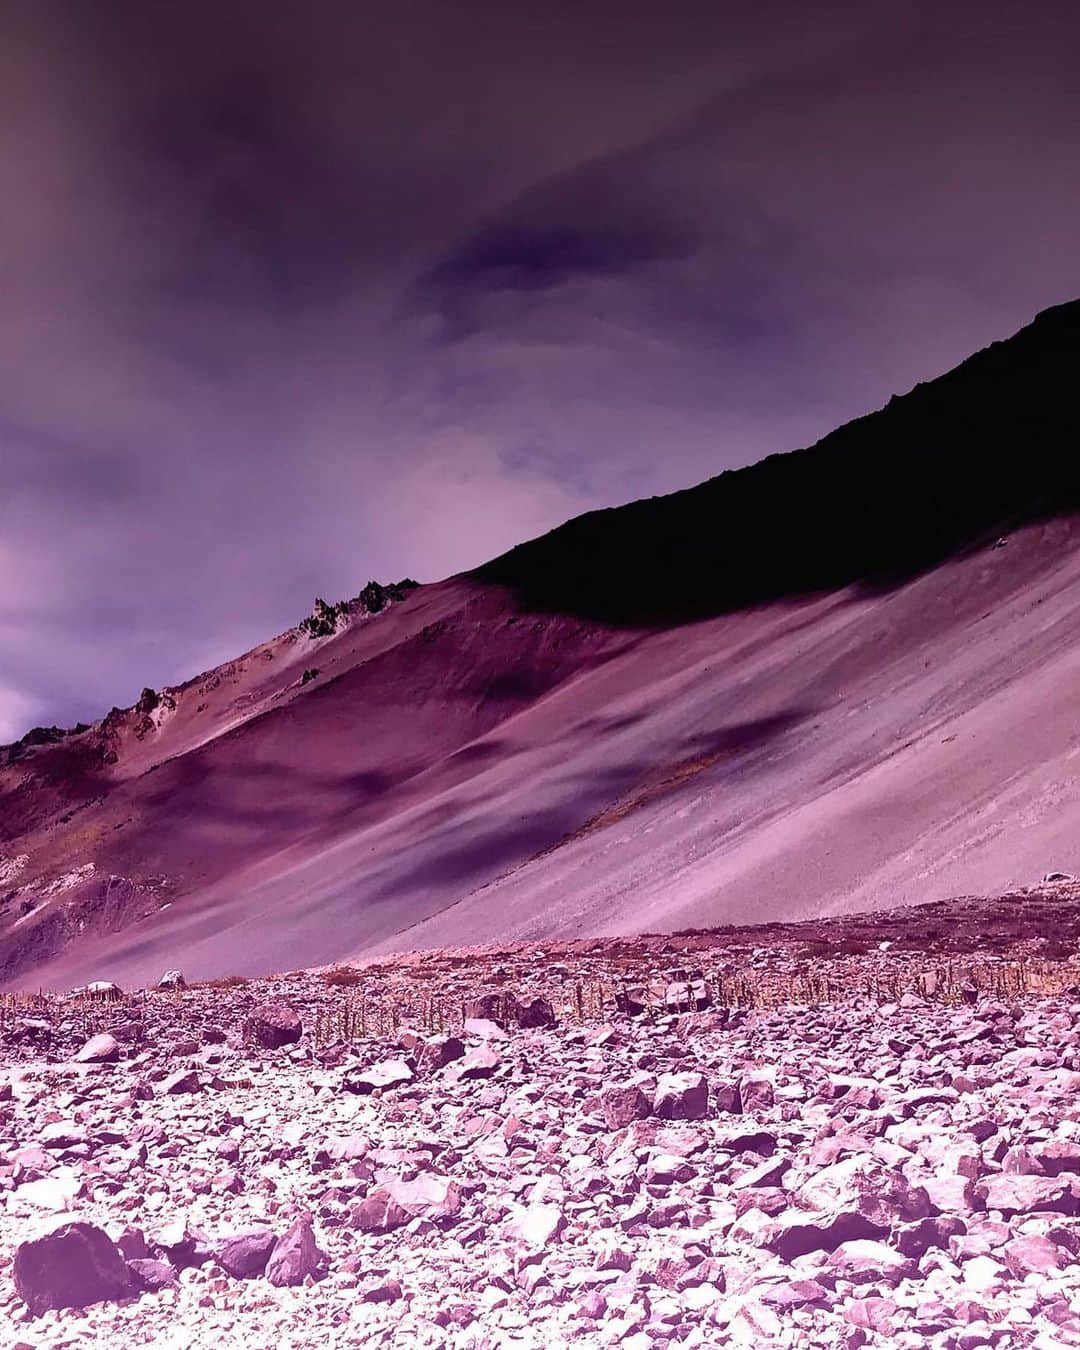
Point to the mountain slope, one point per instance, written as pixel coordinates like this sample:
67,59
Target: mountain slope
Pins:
806,687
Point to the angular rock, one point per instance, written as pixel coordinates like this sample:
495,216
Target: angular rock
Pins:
757,1092
63,1134
863,1185
1018,1193
536,1012
388,1074
172,979
797,1234
273,1025
71,1266
244,1255
184,1082
480,1062
535,1226
151,1275
485,1029
296,1256
398,1202
868,1262
1033,1254
623,1104
436,1053
681,1096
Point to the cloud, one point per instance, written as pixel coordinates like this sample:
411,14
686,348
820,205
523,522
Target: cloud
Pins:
17,712
660,240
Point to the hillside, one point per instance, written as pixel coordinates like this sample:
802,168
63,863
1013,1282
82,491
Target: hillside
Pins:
840,679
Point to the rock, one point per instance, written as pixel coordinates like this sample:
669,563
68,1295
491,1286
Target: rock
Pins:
397,1202
864,1186
296,1256
183,1245
273,1025
480,1062
797,1234
485,1029
435,1053
172,979
873,1314
637,999
868,1262
1017,1193
681,1096
757,1091
390,1073
1057,1157
537,1012
490,1007
101,1049
387,1290
72,1266
727,1099
916,1239
623,1104
63,1134
184,1082
535,1226
1028,1254
744,1138
102,991
244,1255
151,1275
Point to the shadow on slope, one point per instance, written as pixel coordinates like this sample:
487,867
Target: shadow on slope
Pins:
988,447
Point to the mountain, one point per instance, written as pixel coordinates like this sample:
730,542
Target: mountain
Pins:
840,679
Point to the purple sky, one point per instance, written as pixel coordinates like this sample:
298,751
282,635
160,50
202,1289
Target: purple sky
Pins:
296,295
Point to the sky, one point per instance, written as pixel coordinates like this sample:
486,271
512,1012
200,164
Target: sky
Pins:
300,295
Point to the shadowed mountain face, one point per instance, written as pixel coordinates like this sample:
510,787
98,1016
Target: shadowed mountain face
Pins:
991,445
819,684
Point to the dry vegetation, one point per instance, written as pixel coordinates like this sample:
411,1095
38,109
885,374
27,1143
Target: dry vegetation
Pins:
947,955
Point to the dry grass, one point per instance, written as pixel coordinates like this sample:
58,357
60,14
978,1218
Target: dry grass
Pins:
341,977
340,1004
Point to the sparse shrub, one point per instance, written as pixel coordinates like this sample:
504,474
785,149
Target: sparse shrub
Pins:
312,673
342,977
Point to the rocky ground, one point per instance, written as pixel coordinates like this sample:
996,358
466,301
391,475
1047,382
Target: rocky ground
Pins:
892,1161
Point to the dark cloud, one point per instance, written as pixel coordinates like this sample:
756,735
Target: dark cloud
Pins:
664,240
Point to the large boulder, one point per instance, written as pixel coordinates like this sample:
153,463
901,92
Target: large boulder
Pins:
103,991
172,979
273,1025
70,1266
